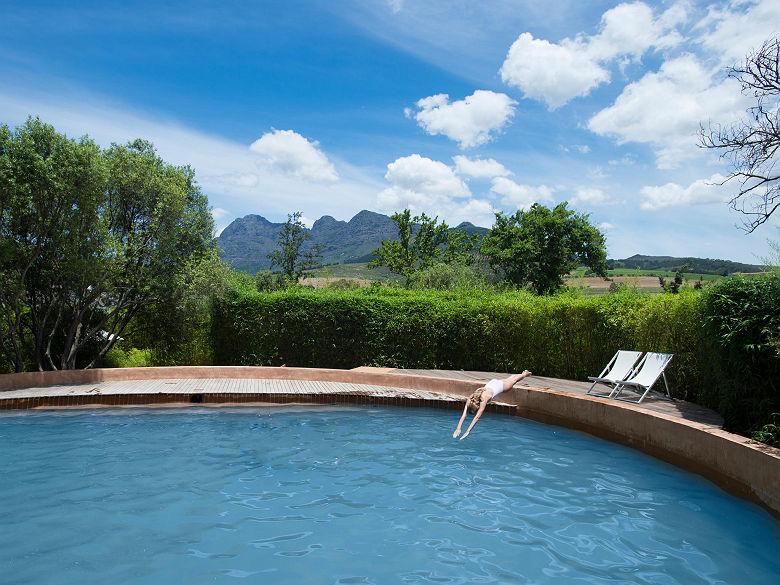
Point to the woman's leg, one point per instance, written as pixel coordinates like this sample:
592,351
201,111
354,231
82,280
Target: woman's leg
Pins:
514,379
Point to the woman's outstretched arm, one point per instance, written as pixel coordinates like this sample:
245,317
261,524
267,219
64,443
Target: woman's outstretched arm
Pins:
462,418
482,406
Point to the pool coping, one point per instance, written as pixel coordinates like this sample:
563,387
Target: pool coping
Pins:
748,469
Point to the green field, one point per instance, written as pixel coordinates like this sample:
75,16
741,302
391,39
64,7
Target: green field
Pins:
361,271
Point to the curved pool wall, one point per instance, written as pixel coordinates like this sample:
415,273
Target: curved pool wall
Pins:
737,464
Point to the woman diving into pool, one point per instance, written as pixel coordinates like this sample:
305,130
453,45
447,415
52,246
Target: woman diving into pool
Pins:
478,401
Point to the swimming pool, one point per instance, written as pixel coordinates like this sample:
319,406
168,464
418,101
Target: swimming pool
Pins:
356,495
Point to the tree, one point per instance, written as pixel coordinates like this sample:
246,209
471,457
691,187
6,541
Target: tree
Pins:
540,246
289,255
752,145
673,286
421,242
87,237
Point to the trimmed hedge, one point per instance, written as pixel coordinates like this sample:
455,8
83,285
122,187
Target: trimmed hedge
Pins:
562,336
725,339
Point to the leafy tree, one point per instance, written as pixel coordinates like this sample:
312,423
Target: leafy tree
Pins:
752,145
673,286
421,243
87,237
289,255
175,330
540,246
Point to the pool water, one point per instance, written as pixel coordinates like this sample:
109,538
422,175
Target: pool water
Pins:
311,495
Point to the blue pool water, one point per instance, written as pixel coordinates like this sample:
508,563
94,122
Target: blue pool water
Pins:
355,495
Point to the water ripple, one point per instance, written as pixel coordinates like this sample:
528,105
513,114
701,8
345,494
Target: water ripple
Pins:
356,495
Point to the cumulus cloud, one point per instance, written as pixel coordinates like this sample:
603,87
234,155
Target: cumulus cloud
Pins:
469,121
556,73
479,168
737,28
551,73
586,196
291,154
220,219
520,196
699,192
425,185
665,109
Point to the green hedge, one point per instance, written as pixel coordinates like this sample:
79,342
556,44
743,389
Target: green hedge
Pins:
561,336
726,355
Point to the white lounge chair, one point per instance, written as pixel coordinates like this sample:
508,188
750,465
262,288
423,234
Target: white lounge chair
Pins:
646,374
619,367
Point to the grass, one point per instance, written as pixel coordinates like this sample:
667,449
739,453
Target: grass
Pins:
359,270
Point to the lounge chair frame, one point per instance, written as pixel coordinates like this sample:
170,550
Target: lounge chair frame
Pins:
643,387
621,366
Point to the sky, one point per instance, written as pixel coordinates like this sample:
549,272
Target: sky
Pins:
455,108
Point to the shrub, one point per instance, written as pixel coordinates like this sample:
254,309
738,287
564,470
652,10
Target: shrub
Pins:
742,324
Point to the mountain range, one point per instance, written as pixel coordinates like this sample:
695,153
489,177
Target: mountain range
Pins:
247,241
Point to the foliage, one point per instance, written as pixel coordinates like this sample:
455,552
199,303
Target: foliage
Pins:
770,432
742,325
671,264
673,286
421,242
267,281
540,246
129,358
289,256
175,329
453,275
88,238
752,144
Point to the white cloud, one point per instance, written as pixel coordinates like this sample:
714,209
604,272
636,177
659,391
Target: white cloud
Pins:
470,121
665,110
291,154
420,183
479,168
699,192
220,219
737,28
551,73
586,196
630,29
557,73
605,226
425,185
520,196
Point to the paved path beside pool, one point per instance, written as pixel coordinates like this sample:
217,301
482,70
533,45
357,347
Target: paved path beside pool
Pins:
260,386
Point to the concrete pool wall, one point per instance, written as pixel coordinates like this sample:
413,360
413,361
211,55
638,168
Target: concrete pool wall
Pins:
741,466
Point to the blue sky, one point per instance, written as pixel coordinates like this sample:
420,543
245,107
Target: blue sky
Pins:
453,108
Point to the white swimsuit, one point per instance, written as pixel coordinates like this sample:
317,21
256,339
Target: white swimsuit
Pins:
497,386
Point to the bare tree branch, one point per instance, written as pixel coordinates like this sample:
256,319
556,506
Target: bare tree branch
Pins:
752,145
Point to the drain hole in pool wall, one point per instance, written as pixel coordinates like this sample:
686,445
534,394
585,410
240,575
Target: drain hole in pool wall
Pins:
196,398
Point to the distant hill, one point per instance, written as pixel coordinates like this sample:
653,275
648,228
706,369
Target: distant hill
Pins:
247,241
697,265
